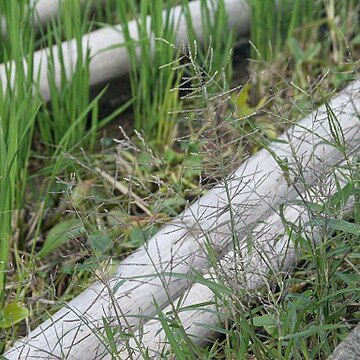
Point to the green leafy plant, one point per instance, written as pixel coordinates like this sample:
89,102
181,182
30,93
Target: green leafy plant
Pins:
12,314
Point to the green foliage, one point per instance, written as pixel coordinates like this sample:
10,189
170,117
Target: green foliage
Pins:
155,68
12,314
18,108
152,58
69,92
62,232
212,56
272,22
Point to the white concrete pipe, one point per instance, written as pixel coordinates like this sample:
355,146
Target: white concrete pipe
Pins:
349,348
46,9
108,61
240,201
272,251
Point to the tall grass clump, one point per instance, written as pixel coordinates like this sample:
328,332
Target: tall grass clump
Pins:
306,28
105,11
152,57
70,90
272,22
18,109
214,56
156,63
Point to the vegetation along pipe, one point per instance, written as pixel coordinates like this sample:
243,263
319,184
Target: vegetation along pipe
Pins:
45,10
262,183
108,60
272,251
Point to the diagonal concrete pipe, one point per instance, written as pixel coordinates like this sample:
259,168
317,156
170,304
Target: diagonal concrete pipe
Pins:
349,348
241,200
271,252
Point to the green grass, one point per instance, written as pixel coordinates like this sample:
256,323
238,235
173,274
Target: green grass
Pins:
152,76
55,204
71,97
273,22
18,109
157,63
214,57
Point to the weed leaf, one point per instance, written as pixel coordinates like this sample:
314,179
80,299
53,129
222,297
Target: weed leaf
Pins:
12,314
61,233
